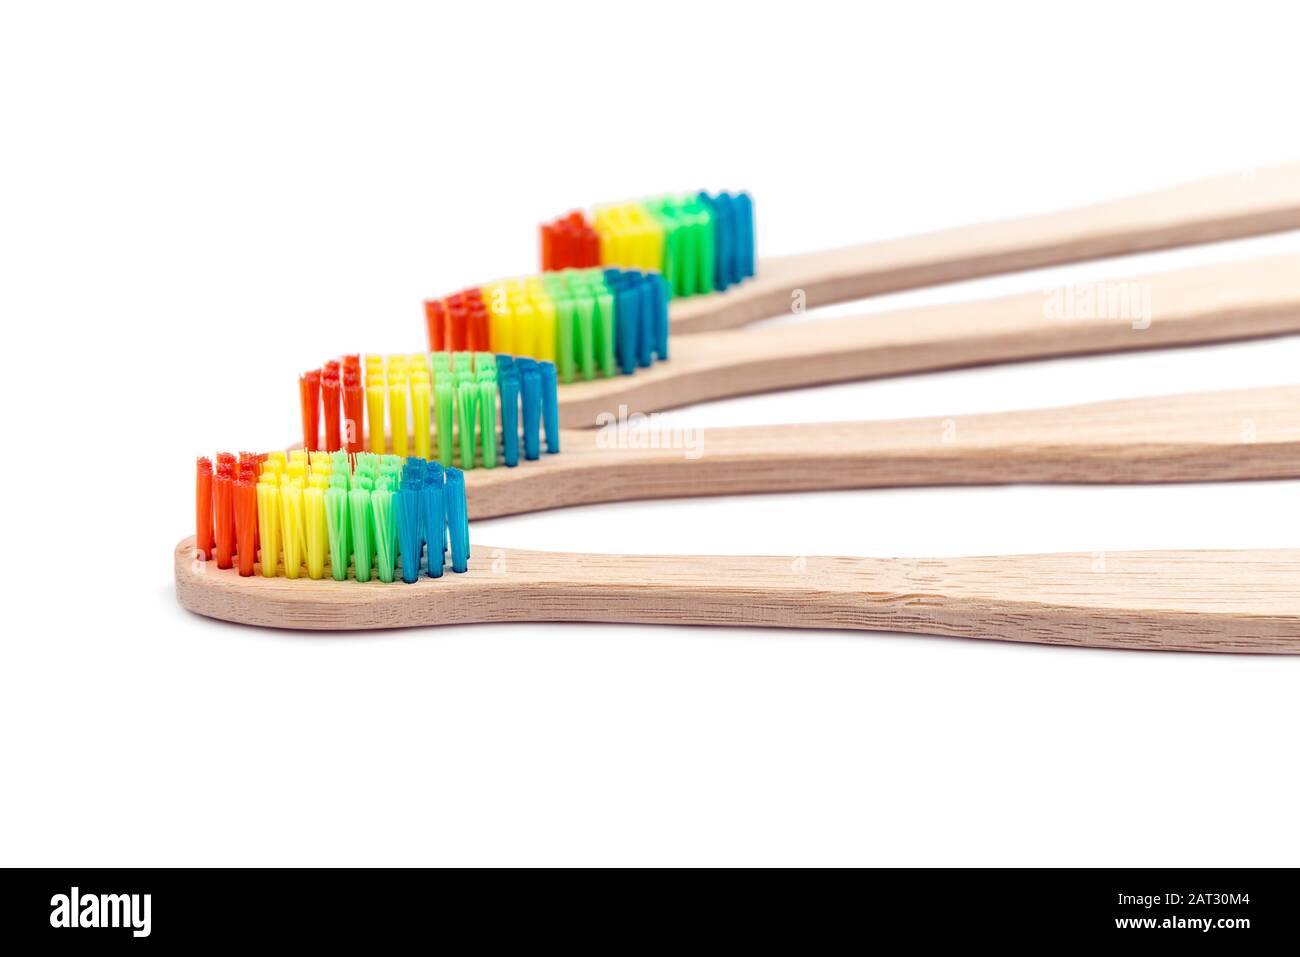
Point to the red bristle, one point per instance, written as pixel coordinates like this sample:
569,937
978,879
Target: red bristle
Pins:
245,503
478,329
569,242
309,396
203,508
331,368
457,328
223,512
548,246
250,467
330,397
560,246
354,403
435,320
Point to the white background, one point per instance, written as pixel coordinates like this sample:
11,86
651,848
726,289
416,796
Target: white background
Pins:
199,201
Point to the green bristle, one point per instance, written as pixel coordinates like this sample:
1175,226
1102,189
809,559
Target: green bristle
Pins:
705,241
381,509
443,414
439,364
586,310
487,407
484,362
688,243
604,331
466,414
565,317
359,512
336,525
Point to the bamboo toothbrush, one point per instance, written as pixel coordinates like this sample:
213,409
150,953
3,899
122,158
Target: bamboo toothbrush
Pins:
1231,301
1213,436
706,243
1212,601
1223,601
1204,437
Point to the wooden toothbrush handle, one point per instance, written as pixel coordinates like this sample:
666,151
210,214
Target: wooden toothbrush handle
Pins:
1201,437
1226,207
1237,601
1240,300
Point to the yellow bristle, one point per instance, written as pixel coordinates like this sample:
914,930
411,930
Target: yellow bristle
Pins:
268,524
397,413
291,525
317,534
544,346
420,396
375,410
524,336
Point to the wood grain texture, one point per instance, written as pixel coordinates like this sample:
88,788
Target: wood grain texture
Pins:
1241,300
1224,601
1202,437
1226,207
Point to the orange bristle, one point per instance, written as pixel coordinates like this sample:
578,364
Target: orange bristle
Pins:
309,396
354,404
330,396
569,242
245,503
223,509
250,467
203,508
435,319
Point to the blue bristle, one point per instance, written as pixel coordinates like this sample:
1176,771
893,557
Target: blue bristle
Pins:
531,389
723,244
744,231
640,317
457,519
434,511
508,386
410,529
645,336
627,314
659,287
550,406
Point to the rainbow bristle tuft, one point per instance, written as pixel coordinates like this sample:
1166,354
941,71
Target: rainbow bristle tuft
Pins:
461,408
319,513
592,323
700,243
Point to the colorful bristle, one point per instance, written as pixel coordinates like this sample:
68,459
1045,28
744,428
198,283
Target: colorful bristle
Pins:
469,409
592,323
700,243
320,514
203,508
